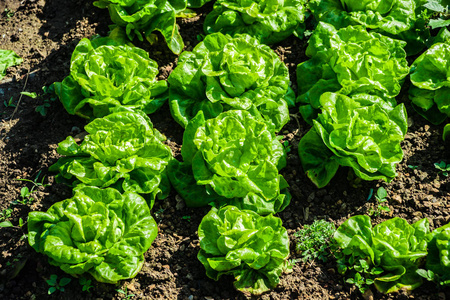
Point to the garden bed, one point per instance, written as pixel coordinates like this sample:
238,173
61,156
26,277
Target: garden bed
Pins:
44,33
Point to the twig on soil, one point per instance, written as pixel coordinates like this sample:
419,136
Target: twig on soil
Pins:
20,97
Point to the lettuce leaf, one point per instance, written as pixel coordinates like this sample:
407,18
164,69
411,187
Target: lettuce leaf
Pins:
224,73
430,78
245,245
97,231
269,21
231,159
394,248
122,150
8,58
362,132
349,61
400,19
105,74
141,18
438,259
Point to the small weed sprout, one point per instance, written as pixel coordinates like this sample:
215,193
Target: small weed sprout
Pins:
85,284
56,285
380,198
26,194
313,241
443,168
124,292
187,218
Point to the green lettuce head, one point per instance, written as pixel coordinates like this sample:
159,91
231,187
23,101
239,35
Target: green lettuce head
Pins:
104,75
269,21
141,18
231,159
362,132
97,231
8,58
224,73
349,61
245,245
122,150
430,78
438,259
401,19
392,251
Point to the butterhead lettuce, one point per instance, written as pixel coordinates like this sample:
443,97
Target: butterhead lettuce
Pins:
224,73
269,21
97,231
245,245
140,18
401,19
362,132
394,247
121,150
104,75
349,61
430,88
231,159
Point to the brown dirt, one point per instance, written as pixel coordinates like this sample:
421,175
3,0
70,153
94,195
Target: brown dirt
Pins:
44,33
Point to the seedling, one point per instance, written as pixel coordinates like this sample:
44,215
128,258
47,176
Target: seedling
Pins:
48,96
287,147
8,14
85,284
313,241
9,224
188,218
413,167
6,213
25,193
443,168
56,285
380,198
127,296
357,271
10,103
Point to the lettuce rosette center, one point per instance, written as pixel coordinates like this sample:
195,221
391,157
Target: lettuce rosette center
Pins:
232,158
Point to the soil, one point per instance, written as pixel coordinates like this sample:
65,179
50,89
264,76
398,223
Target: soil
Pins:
44,33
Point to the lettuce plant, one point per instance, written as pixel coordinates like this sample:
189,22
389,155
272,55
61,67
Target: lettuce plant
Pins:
245,245
388,254
362,132
232,159
104,75
141,18
224,73
400,19
268,21
349,61
438,259
122,150
97,231
8,58
430,78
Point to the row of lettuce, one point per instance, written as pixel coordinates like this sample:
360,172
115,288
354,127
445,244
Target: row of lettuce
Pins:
231,94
